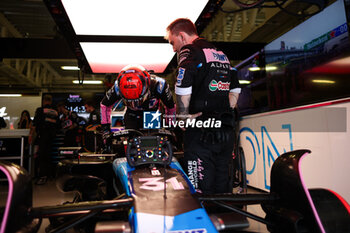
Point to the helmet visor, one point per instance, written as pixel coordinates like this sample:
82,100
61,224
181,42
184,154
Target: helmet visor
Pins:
135,103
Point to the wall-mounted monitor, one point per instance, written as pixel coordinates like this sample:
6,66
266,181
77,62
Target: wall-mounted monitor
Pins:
75,101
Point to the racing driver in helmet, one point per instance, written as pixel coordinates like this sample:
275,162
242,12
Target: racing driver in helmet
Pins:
140,92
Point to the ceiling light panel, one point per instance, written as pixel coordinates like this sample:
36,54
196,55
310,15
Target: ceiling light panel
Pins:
129,18
87,81
112,57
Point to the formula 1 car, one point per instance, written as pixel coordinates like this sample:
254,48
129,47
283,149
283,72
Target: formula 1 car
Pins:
157,196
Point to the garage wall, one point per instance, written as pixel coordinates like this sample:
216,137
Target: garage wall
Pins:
12,107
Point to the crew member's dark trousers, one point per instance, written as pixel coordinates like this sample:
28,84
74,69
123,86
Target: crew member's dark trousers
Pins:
70,138
207,163
133,121
45,166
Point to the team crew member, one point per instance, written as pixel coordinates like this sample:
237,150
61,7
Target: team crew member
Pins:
45,125
206,88
69,121
94,116
140,92
91,139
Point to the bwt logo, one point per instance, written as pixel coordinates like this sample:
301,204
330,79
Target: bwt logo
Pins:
151,120
220,57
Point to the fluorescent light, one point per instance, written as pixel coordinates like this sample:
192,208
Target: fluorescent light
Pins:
267,68
341,62
70,68
112,57
87,82
270,68
323,81
254,68
10,95
244,82
131,17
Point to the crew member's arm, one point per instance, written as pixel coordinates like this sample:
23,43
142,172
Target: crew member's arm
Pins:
187,70
106,105
166,96
35,122
235,90
183,103
233,98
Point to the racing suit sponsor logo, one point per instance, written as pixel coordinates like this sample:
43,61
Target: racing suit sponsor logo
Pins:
212,55
189,231
221,86
160,86
180,76
153,103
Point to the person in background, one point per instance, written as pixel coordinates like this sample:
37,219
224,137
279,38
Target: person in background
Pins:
25,122
69,122
92,140
2,123
206,88
95,116
44,125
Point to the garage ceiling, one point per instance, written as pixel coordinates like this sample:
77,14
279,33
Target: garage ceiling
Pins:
34,45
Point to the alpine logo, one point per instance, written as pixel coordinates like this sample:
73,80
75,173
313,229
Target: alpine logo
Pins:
221,86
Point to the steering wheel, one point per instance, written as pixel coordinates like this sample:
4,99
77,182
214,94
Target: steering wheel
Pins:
143,150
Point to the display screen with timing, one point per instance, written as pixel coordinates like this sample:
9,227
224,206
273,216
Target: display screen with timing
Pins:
148,143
